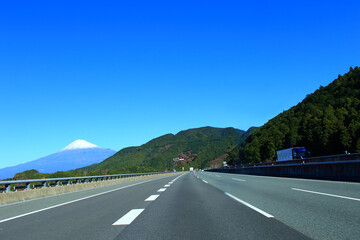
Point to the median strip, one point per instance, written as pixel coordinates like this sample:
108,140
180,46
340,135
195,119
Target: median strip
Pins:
250,206
326,194
129,217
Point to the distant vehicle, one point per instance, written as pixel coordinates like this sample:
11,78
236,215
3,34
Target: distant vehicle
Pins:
293,153
191,169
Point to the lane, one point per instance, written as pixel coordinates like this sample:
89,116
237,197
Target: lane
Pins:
316,208
92,218
192,209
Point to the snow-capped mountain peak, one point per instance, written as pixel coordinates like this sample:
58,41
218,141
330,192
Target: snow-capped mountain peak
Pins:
77,154
79,144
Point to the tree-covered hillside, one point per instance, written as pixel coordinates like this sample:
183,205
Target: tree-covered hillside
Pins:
197,146
325,122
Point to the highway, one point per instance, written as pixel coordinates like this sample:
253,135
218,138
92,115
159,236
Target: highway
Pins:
202,205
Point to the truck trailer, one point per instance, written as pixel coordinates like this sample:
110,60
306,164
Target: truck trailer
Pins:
293,153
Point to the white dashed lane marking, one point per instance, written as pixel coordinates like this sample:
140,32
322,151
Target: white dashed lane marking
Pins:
129,217
238,179
326,194
250,206
134,213
151,198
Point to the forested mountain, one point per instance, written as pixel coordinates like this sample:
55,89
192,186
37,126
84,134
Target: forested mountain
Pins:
325,122
197,146
200,147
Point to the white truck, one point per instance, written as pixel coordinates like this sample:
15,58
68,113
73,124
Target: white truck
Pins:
191,169
293,153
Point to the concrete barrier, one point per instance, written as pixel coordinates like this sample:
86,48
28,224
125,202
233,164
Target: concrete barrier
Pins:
343,171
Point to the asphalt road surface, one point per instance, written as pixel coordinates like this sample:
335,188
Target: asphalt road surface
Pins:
200,205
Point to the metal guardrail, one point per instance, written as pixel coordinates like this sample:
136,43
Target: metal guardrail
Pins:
49,182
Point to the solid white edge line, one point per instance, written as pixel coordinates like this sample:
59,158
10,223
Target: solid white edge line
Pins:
161,190
250,206
76,200
129,217
326,194
152,198
204,181
238,179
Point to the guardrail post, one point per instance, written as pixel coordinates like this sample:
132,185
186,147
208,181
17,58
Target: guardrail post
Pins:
7,188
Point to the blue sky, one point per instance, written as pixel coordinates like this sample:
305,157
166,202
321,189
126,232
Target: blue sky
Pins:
119,73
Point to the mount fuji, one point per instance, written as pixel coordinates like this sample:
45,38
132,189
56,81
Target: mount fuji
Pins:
77,154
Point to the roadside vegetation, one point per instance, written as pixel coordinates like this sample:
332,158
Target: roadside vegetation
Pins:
326,122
